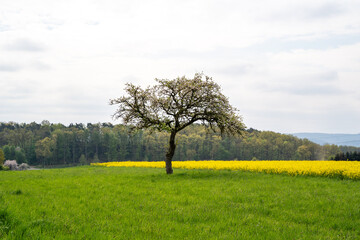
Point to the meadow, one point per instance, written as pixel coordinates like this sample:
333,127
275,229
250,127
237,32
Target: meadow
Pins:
145,203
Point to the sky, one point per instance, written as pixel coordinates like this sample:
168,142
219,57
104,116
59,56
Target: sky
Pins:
288,66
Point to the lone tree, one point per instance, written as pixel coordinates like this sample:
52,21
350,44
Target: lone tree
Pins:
172,105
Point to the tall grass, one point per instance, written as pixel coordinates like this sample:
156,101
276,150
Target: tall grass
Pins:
145,203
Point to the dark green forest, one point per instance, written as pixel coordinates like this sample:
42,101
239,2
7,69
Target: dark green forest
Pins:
47,143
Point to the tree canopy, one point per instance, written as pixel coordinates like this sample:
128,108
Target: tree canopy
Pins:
172,105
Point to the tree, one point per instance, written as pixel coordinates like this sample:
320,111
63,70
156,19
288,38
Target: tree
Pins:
7,152
82,160
96,158
20,155
2,157
44,149
303,153
172,105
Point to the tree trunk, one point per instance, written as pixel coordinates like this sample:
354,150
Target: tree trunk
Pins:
170,153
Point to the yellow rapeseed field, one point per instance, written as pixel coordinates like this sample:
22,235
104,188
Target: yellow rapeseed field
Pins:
346,169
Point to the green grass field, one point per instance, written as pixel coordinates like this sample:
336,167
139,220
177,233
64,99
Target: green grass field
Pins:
145,203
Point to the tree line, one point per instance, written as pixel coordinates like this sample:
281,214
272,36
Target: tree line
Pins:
347,156
47,143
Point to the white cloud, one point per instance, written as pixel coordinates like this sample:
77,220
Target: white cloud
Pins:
287,65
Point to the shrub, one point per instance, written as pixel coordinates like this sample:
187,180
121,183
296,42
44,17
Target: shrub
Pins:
11,164
23,166
5,168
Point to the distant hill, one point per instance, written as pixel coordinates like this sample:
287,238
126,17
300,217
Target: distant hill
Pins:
328,138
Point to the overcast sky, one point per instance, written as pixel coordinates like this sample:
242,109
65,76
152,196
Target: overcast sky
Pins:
288,66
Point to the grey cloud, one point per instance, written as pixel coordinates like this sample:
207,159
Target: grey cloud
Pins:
323,11
326,76
14,67
23,89
313,90
215,53
27,97
310,84
10,68
306,12
25,45
330,41
174,53
302,89
236,70
93,23
41,66
4,28
131,79
272,45
40,105
52,23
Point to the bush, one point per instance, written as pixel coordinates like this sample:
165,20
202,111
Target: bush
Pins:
11,164
4,168
23,166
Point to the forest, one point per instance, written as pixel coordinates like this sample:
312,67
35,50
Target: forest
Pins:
47,143
347,156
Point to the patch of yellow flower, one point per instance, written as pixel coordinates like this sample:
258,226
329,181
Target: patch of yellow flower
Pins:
347,169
